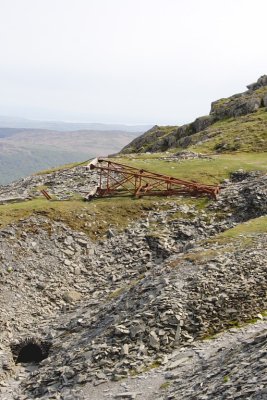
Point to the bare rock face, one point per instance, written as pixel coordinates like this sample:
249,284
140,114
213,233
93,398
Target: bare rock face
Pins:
262,81
155,139
236,106
242,103
202,123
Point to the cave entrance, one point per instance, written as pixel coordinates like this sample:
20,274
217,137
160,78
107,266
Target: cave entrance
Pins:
30,350
30,353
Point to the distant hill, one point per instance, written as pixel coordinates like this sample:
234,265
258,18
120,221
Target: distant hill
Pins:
16,122
24,151
236,123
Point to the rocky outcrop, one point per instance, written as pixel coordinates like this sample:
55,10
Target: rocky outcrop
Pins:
261,82
155,139
202,123
243,103
235,106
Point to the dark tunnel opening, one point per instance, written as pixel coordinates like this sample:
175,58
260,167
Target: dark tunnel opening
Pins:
30,350
30,353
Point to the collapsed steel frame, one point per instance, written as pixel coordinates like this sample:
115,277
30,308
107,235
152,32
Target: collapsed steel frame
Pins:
120,179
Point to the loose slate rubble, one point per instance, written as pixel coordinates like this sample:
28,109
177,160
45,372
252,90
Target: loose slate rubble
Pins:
170,308
238,372
123,304
245,195
185,155
62,184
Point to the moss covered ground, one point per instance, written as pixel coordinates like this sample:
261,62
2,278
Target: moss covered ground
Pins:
210,171
93,218
247,133
246,230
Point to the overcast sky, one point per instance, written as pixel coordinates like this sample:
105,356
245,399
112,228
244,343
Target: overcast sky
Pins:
129,61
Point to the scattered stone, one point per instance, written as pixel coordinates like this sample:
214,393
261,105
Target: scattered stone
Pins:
126,395
72,296
123,304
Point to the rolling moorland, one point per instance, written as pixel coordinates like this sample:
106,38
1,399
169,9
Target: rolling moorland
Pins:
150,298
28,146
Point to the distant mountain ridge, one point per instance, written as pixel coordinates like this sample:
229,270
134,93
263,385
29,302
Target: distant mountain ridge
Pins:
16,122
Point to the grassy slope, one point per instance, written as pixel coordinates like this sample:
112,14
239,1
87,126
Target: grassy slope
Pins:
243,235
93,218
247,134
96,217
210,171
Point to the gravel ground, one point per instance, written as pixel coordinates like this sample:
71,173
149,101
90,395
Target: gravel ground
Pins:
159,384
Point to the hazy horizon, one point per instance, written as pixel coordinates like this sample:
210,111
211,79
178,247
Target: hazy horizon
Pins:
126,62
71,121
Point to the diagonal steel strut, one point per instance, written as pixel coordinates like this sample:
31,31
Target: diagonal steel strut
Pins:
119,179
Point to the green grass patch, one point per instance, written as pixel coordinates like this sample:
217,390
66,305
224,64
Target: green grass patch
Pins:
207,171
247,321
237,324
247,133
93,218
165,385
243,235
201,256
244,231
153,365
119,291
